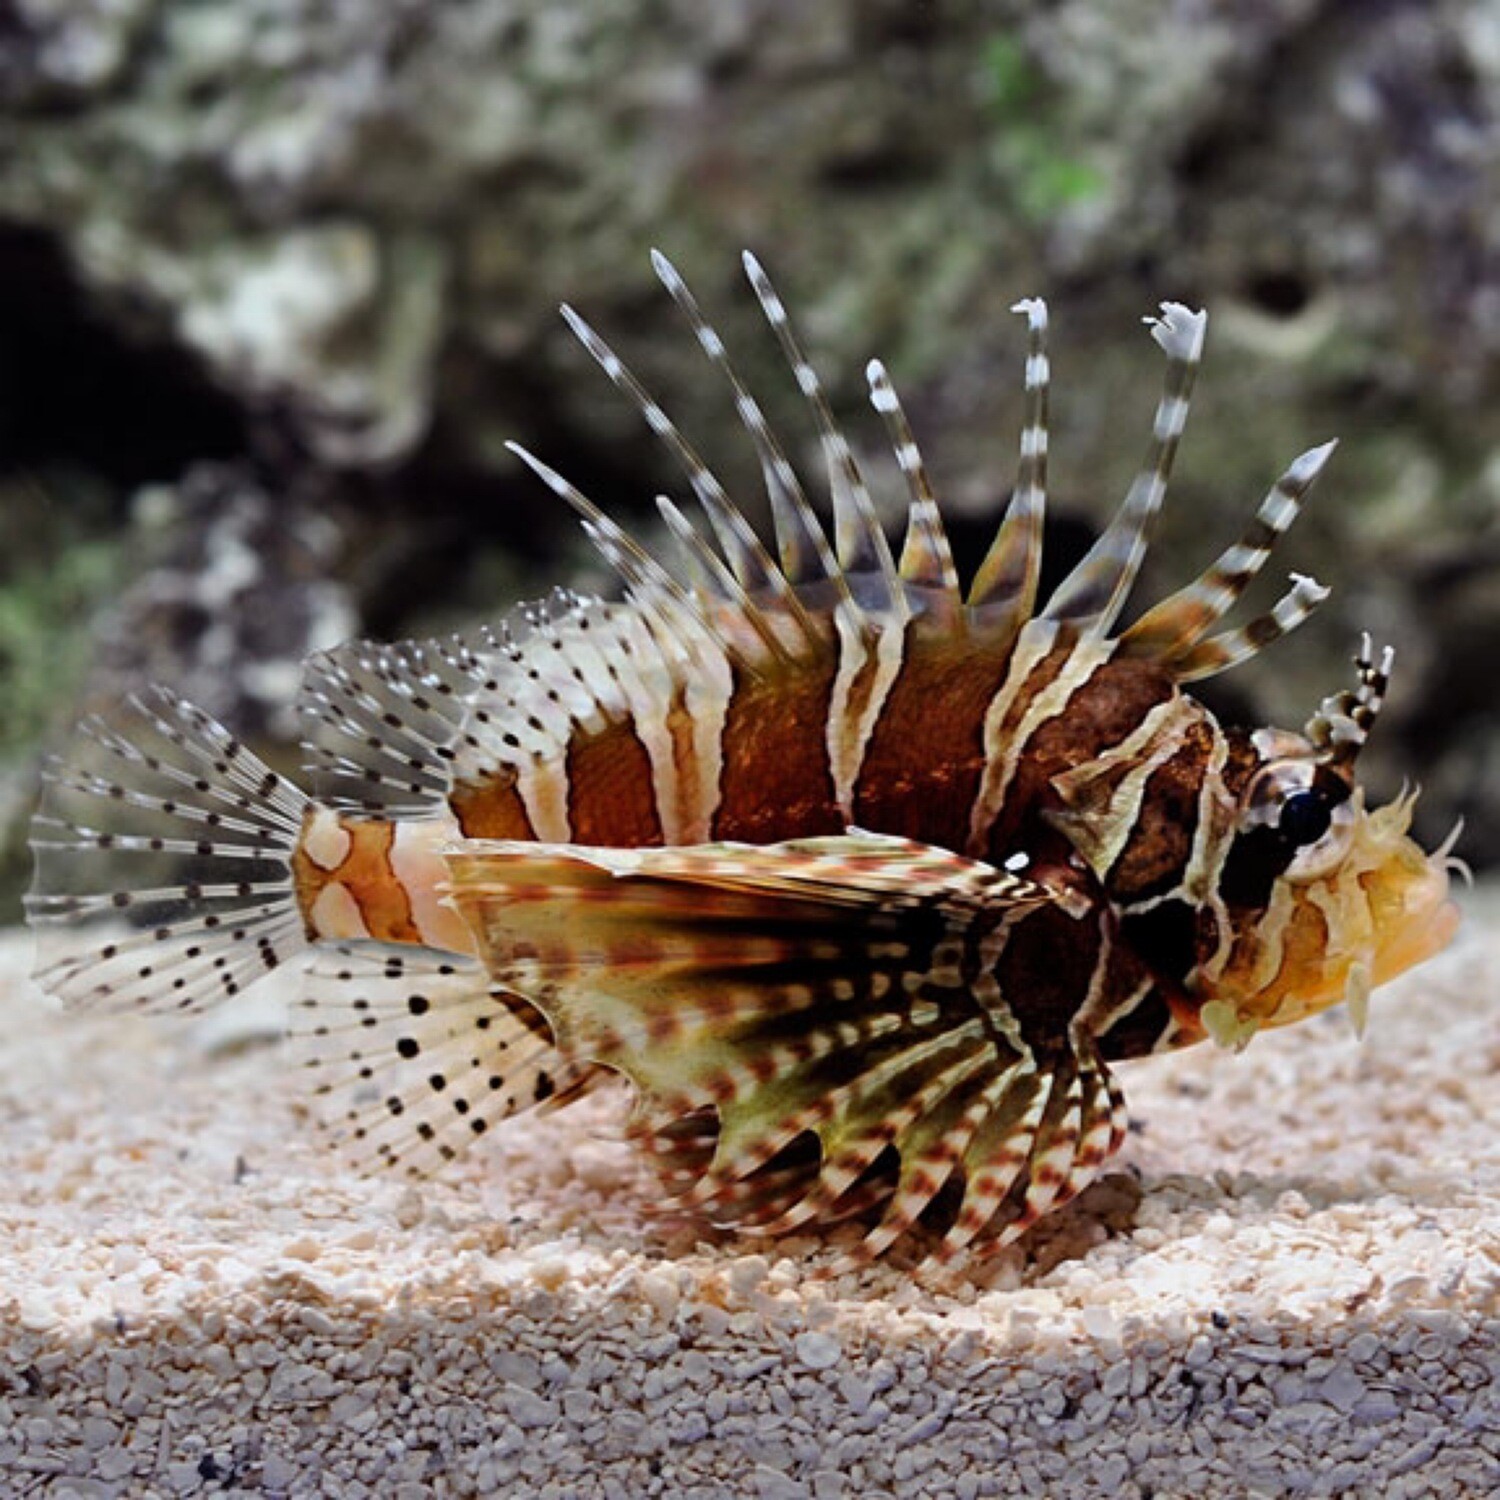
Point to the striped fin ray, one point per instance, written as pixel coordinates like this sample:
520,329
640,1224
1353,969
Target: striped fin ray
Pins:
379,722
1170,628
415,1054
1082,1126
809,996
926,557
747,557
805,554
1230,647
1005,586
1092,595
163,877
858,536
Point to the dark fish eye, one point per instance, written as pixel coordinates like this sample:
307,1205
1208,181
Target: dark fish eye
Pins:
1305,817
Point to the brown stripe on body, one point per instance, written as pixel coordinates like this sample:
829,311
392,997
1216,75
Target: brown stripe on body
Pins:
922,765
1101,712
368,875
776,780
1163,824
1130,1008
490,807
611,794
1139,1028
1045,969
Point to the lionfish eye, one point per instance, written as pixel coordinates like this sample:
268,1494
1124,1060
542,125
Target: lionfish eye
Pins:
1305,817
1295,822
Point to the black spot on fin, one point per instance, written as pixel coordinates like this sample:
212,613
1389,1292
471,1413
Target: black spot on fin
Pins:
415,1053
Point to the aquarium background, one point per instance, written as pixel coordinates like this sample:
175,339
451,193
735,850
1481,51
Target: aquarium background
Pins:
279,278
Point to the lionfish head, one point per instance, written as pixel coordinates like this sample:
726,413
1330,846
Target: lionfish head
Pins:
1328,897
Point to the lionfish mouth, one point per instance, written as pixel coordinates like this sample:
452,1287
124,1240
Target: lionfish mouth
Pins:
1385,909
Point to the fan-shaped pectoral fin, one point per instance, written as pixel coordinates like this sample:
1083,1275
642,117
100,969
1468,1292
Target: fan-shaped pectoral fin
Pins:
799,1018
1073,1122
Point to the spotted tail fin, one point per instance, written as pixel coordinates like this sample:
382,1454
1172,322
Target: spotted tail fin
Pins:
163,879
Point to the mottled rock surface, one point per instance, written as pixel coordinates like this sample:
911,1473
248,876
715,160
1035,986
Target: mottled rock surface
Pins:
1290,1284
324,241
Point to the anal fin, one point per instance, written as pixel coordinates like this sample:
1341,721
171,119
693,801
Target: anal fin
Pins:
416,1053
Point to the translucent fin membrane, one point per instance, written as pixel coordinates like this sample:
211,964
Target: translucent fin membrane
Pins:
162,852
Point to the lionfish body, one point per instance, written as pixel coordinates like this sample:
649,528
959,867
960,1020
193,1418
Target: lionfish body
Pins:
862,881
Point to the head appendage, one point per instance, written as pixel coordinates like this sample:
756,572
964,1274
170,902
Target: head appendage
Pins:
1343,721
858,535
1006,582
1092,595
926,557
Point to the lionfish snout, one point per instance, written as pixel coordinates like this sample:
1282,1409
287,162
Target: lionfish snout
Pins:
1358,900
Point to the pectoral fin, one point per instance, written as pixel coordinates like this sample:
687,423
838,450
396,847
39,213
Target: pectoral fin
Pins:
810,1024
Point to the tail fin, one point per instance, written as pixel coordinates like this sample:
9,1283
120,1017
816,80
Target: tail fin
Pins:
163,863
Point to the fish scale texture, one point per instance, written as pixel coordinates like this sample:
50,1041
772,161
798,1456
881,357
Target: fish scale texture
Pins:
1289,1284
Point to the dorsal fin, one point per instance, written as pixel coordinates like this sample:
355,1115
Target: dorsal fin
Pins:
1004,588
858,536
745,609
1092,595
1171,628
805,554
926,557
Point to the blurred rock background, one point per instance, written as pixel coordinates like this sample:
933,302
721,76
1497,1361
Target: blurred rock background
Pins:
279,277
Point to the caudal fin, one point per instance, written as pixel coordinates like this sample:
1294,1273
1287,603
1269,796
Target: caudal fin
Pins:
163,876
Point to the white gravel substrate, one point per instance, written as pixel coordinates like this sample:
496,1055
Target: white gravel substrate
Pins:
1290,1286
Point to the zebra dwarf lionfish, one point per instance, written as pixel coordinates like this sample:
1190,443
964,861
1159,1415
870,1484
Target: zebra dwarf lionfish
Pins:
863,882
